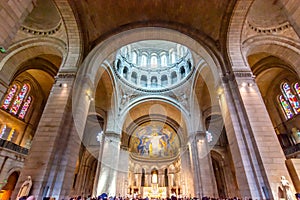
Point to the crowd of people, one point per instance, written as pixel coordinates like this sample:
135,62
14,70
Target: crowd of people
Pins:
147,198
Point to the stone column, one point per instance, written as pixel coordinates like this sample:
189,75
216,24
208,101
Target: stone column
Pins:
186,172
123,171
205,167
109,164
258,159
53,154
198,191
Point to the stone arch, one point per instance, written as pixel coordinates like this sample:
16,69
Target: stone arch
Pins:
285,49
219,172
234,35
89,70
7,189
30,49
74,55
164,100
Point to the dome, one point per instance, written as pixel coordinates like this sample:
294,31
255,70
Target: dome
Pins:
153,65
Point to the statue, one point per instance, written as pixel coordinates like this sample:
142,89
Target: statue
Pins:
25,188
286,188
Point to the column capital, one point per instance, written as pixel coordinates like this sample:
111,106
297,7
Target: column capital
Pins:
237,75
196,135
112,136
63,75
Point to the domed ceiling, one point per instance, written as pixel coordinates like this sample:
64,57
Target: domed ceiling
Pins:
101,18
44,16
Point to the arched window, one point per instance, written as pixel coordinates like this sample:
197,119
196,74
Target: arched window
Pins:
173,77
297,89
173,57
125,72
288,94
144,60
182,51
164,80
144,81
182,72
153,61
286,107
25,107
134,77
21,100
125,50
118,65
163,60
10,96
134,57
153,81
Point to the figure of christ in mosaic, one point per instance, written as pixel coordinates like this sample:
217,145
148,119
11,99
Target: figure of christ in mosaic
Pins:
154,141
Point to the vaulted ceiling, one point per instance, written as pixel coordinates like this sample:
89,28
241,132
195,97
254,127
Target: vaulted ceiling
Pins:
101,18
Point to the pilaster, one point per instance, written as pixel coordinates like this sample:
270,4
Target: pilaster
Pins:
257,156
51,161
109,164
201,165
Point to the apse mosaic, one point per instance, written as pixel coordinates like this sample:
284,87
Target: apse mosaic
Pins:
154,140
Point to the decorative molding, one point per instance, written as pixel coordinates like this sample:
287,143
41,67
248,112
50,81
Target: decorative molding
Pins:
274,29
240,74
41,32
65,75
243,74
112,136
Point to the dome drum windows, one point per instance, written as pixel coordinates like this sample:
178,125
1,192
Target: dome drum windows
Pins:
164,80
173,77
144,81
125,72
134,77
153,65
154,81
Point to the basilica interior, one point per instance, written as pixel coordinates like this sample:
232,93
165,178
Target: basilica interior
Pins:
150,99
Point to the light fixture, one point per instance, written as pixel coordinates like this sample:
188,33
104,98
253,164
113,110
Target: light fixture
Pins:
244,84
64,85
89,95
250,84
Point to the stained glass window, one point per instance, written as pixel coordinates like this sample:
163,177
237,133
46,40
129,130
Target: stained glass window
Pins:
291,98
297,88
25,108
286,107
18,101
209,136
9,96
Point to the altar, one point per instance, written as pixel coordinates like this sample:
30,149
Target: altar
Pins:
154,192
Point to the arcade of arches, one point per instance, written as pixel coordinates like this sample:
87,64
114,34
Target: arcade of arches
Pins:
150,98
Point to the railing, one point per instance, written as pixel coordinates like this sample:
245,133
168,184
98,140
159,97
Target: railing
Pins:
292,150
12,146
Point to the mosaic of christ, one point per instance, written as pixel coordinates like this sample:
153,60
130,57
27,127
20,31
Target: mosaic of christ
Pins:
154,139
